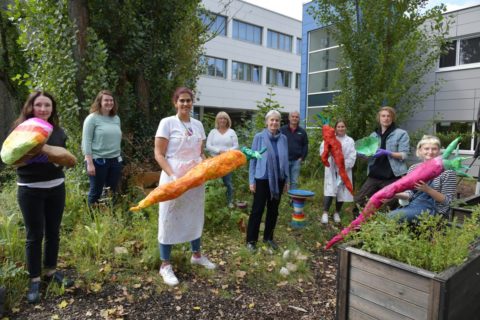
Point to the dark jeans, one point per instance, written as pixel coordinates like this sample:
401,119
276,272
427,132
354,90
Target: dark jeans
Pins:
107,174
42,211
227,181
371,186
260,198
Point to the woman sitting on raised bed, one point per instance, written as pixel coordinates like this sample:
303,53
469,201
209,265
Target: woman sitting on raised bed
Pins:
432,196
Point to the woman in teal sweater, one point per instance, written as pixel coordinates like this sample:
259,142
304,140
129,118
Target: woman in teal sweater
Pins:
101,145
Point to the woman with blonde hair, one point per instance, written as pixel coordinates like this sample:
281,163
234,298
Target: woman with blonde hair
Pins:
432,196
222,139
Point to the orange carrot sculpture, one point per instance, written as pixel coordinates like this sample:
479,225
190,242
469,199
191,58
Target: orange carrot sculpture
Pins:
332,146
211,168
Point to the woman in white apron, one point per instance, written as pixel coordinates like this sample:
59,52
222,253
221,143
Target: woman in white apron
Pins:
333,185
179,145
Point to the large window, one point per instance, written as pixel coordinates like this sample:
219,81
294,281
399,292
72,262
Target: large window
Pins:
247,32
323,72
215,67
278,78
246,72
216,23
280,41
297,80
461,52
299,46
448,131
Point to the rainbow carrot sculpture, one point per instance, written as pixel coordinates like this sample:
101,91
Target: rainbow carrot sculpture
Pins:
426,171
332,146
25,140
211,168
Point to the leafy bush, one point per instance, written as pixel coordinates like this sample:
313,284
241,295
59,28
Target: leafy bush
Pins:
433,244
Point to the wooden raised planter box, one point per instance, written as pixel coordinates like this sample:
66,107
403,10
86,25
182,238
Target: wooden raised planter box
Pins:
461,213
370,286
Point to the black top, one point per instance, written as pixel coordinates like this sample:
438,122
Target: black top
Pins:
297,142
37,172
381,168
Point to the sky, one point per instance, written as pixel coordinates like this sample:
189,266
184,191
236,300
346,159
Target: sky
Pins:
293,8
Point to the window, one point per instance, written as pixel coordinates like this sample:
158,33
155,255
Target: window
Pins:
299,46
216,23
448,131
247,32
246,72
297,80
323,71
215,67
280,41
461,52
278,78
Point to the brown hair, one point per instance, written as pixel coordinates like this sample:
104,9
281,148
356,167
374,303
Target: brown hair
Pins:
338,121
97,103
179,91
223,114
390,110
27,109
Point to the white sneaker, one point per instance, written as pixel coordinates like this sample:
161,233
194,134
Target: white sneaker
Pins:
336,217
325,218
231,205
203,261
168,276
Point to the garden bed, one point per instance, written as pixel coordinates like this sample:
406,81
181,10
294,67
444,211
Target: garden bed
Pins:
371,286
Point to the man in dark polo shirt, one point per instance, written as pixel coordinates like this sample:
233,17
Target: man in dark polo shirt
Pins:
297,147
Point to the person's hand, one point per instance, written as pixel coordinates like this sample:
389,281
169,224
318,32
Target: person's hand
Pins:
421,186
382,152
253,188
173,177
90,169
362,156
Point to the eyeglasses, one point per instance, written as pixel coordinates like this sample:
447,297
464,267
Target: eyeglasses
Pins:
185,100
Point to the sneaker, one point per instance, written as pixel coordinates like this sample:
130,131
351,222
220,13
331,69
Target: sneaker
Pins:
33,295
231,205
203,261
251,246
272,244
325,218
59,278
336,217
168,276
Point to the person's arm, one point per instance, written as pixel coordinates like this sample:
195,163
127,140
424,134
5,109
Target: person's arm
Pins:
235,141
350,153
87,140
447,191
403,147
161,145
253,164
210,143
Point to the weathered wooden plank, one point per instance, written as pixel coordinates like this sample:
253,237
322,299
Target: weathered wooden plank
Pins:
354,314
342,283
374,310
390,286
378,297
435,300
393,272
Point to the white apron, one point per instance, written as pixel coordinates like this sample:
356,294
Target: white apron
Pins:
181,220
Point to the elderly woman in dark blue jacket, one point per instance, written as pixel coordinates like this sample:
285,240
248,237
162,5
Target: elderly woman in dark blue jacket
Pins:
267,178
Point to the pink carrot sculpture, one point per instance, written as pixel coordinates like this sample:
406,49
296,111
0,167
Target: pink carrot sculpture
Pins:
426,171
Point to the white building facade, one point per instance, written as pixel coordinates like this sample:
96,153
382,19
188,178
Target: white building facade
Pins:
254,49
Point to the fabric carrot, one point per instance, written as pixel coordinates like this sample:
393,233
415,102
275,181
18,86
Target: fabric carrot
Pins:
332,146
425,171
211,168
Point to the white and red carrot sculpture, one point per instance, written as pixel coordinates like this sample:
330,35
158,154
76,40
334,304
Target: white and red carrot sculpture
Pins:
426,171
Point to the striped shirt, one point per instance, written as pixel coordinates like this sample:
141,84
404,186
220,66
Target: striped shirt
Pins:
446,184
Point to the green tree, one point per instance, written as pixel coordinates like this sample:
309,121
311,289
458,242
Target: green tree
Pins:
267,104
386,49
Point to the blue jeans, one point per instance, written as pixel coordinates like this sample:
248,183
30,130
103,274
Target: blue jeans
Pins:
227,181
166,249
294,172
421,203
107,174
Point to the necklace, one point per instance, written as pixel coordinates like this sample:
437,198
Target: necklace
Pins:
188,130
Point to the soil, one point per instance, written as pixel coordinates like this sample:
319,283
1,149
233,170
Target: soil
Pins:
199,298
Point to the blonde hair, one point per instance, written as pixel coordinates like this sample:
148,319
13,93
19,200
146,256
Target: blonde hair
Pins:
390,110
428,139
223,114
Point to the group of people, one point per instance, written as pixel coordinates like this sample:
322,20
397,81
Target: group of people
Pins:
180,144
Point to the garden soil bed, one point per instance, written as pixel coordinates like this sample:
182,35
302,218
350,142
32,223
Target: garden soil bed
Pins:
199,298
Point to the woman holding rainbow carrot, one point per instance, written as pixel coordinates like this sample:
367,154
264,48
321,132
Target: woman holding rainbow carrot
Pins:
179,145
